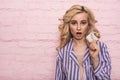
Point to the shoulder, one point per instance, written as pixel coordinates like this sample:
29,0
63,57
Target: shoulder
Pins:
65,49
103,48
101,44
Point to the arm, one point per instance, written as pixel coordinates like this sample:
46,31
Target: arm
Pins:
103,70
59,75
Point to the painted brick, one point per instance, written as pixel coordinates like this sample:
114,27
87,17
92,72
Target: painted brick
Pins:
29,35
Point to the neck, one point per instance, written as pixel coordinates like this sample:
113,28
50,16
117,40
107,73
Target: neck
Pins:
79,43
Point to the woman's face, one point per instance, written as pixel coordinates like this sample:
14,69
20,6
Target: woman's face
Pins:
79,25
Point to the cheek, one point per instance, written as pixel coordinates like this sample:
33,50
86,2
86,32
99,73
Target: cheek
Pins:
85,29
72,29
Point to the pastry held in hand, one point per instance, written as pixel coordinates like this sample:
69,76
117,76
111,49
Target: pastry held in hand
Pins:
91,37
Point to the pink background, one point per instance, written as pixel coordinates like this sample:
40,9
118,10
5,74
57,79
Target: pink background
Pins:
29,35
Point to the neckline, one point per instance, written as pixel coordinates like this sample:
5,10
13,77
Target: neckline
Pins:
85,55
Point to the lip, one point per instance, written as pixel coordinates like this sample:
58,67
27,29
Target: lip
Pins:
78,34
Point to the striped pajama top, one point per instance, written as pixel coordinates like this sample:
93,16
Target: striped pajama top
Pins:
67,66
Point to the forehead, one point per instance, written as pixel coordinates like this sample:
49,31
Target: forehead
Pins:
80,16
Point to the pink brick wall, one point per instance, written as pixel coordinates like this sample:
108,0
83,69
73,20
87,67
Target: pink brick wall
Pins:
29,35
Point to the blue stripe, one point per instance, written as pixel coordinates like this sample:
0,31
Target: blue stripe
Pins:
74,71
77,74
71,71
67,66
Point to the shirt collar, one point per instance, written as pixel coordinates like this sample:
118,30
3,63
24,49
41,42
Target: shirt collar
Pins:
72,53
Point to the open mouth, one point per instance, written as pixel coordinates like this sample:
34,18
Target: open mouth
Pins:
78,32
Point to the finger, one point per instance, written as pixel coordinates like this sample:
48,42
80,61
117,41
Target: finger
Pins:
93,47
97,35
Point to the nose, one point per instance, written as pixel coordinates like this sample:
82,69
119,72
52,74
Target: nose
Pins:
79,27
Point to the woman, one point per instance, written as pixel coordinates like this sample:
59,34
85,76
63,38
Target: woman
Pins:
77,58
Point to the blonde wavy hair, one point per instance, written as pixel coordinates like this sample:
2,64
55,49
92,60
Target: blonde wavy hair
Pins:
65,34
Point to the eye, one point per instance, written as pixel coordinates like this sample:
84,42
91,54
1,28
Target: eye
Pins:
73,22
83,22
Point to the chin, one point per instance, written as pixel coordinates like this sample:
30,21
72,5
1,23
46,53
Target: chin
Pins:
77,38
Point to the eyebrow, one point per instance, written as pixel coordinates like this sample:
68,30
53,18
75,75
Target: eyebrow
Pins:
76,20
83,20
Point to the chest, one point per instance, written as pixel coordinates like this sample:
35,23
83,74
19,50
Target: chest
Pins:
80,53
71,66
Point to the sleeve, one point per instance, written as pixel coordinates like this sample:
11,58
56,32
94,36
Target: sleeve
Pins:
103,71
59,74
